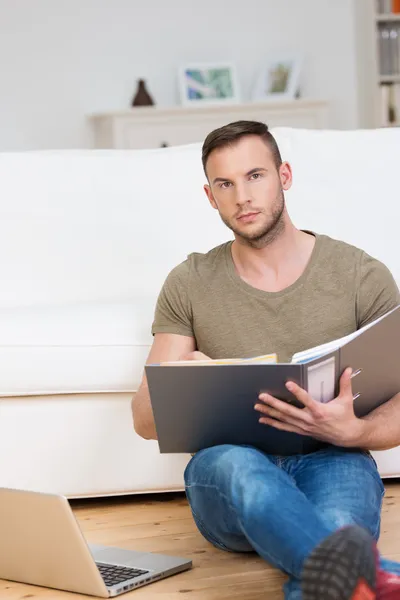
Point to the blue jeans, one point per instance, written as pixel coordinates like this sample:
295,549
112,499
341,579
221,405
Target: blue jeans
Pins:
244,500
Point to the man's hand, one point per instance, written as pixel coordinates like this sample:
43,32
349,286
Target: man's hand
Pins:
195,356
334,422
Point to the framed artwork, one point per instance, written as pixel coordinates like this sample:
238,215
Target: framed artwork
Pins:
278,80
208,84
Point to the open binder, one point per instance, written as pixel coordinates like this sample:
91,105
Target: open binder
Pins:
196,406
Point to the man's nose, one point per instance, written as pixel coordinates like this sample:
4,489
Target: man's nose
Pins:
242,195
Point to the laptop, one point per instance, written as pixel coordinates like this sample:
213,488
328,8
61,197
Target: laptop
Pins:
42,544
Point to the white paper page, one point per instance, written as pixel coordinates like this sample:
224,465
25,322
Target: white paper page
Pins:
311,353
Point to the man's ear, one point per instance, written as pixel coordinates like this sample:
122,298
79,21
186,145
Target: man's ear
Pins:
210,196
285,174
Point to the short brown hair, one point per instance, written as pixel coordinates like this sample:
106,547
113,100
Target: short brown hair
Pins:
233,132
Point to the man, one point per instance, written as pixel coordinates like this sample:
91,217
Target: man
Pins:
278,289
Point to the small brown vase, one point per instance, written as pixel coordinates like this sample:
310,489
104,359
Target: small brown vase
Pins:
142,96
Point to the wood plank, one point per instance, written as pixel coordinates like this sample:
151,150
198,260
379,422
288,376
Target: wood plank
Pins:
163,523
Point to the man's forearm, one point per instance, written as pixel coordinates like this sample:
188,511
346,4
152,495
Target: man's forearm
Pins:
142,412
382,426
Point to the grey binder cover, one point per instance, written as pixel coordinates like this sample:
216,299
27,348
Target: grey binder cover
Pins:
376,353
196,407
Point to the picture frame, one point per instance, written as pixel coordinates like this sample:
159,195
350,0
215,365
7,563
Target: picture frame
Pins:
208,83
279,79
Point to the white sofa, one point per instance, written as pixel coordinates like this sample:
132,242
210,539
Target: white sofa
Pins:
86,240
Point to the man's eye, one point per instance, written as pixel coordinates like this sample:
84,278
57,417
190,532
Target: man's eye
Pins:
255,176
225,184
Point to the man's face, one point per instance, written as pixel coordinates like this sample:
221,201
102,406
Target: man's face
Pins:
247,189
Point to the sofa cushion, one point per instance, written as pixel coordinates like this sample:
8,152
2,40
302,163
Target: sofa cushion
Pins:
88,226
91,347
345,184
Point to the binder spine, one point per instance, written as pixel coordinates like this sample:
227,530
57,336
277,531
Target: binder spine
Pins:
320,377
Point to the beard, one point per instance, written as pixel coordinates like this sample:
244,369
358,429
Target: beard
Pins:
268,231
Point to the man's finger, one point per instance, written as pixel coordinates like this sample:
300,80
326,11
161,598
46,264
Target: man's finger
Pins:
276,414
345,384
285,408
304,397
282,409
281,426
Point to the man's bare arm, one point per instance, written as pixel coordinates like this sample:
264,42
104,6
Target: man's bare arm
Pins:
166,346
381,428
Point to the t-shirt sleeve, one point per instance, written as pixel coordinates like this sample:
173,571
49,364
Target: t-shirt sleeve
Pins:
377,291
173,313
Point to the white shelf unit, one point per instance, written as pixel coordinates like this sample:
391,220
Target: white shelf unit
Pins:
387,17
389,78
387,30
368,23
153,127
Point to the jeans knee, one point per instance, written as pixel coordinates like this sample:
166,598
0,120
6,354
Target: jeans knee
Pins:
216,458
336,518
242,475
218,464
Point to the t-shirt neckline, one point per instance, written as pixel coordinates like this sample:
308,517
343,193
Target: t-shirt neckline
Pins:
249,289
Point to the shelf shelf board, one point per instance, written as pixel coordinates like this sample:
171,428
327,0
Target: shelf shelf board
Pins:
384,18
389,79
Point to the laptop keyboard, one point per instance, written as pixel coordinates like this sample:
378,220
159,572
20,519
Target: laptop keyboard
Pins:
114,574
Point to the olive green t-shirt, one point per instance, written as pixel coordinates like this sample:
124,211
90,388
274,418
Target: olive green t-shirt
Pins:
341,289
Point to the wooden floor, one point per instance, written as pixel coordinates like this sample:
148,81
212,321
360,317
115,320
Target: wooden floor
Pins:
164,524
